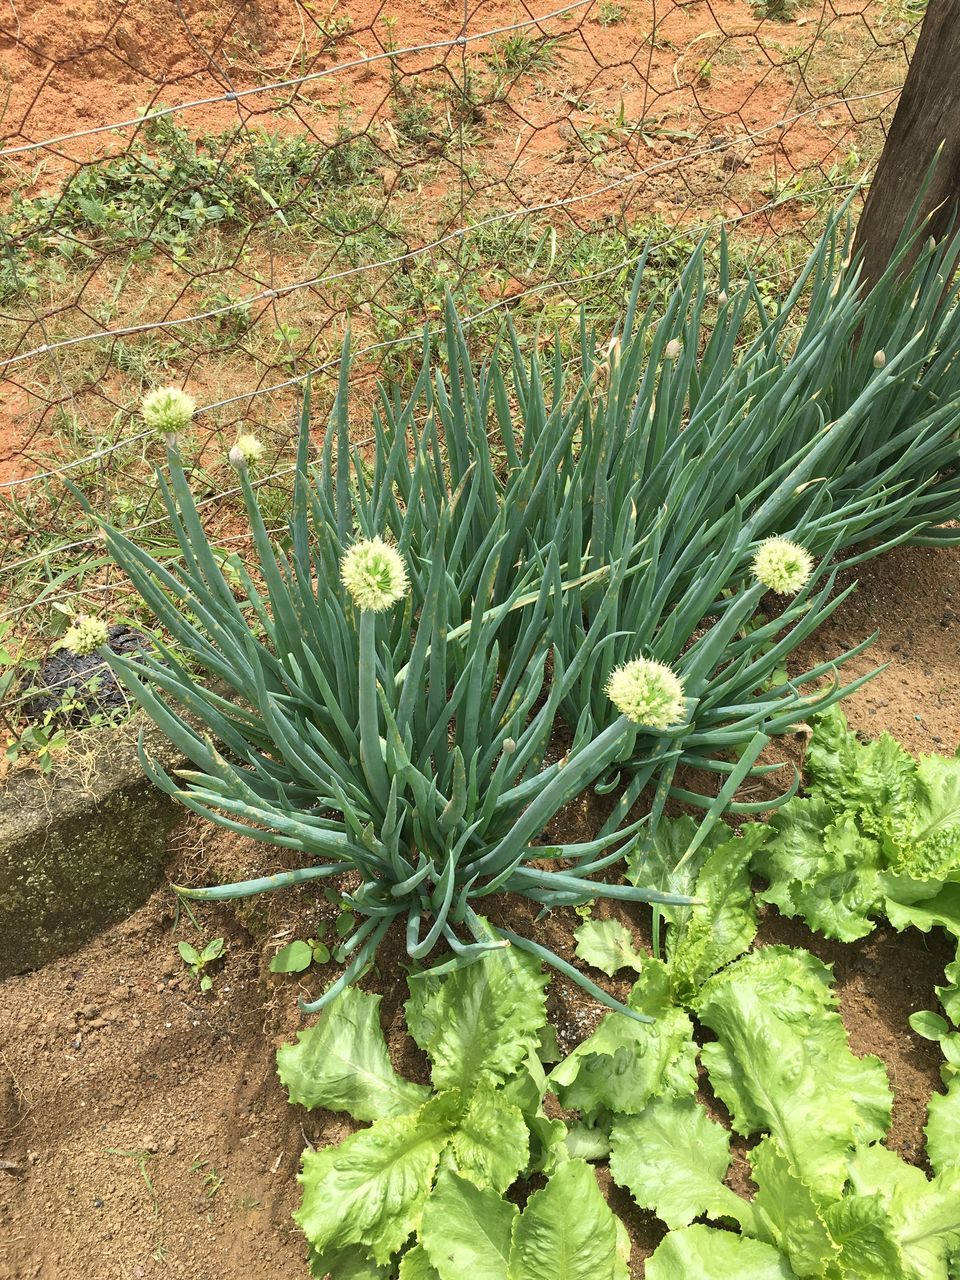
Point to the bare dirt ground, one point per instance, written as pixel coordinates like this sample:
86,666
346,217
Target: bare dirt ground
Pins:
144,1129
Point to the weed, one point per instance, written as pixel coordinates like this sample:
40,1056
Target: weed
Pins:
908,11
777,10
197,961
520,54
211,1181
170,190
141,1158
40,737
334,28
608,14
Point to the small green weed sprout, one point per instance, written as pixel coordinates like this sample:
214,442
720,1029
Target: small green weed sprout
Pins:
198,961
609,14
297,956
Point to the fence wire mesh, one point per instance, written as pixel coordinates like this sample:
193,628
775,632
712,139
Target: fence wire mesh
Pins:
203,193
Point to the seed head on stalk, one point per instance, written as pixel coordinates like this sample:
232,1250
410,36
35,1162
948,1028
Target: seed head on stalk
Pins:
85,636
247,452
168,411
648,693
374,575
782,566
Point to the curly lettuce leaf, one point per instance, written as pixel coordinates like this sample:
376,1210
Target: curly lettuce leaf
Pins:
781,1063
709,1254
587,1142
352,1263
607,945
787,1212
490,1143
415,1265
924,1215
943,1128
942,909
525,1091
656,860
625,1063
701,939
912,807
672,1158
482,1021
875,780
864,1236
467,1231
341,1063
370,1190
932,850
567,1232
822,868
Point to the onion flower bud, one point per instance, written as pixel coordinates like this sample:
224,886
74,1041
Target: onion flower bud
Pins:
85,636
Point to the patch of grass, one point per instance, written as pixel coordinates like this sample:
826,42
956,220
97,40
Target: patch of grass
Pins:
904,10
778,10
519,54
608,14
169,191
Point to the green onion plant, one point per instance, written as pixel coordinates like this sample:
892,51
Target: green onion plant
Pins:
545,576
365,720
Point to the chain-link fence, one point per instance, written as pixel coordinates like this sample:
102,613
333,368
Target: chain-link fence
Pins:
202,194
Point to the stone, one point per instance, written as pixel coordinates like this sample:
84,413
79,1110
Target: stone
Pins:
82,847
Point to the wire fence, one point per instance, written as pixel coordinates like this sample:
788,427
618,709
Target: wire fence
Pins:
205,195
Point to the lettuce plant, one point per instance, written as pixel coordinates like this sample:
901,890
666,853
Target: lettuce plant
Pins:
370,720
421,1191
830,1199
876,833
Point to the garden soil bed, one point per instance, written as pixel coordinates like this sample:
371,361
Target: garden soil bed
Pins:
142,1129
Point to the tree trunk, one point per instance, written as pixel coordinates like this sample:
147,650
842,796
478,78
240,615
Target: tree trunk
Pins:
927,118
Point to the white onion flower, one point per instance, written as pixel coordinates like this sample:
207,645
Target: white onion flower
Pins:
782,566
647,692
168,411
85,636
374,574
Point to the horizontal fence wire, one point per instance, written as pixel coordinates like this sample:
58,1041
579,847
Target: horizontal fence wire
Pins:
339,164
